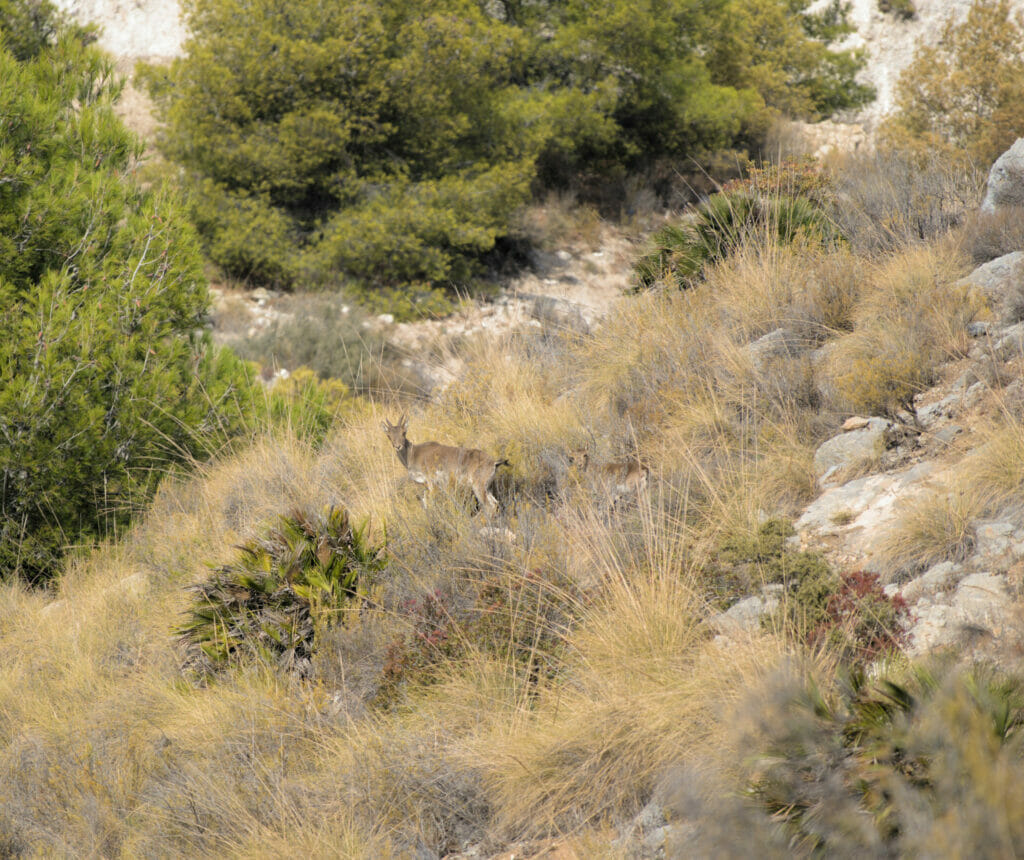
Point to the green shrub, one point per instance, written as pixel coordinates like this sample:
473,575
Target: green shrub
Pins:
309,406
743,563
104,375
270,602
927,764
390,144
720,225
904,10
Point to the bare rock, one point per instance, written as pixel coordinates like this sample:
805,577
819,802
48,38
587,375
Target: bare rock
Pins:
1001,281
993,539
559,313
1011,344
979,607
745,616
855,423
853,518
846,450
1005,186
779,343
929,583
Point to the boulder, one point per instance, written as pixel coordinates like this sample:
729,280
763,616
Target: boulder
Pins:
932,581
775,344
855,516
560,314
866,442
980,605
1011,344
1005,186
745,616
1001,281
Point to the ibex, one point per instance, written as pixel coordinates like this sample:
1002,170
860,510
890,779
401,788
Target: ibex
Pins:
431,463
615,479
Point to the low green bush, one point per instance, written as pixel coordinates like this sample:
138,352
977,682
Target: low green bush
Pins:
923,763
720,225
269,603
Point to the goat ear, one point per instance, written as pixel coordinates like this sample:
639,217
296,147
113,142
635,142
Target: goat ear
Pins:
403,422
385,426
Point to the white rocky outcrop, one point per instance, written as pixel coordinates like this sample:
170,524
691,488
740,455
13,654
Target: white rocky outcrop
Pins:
1005,188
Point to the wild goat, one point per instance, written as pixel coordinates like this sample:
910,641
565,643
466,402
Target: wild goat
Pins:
431,463
615,479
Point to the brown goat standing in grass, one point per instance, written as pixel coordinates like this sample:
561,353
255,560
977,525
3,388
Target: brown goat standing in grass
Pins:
614,479
431,463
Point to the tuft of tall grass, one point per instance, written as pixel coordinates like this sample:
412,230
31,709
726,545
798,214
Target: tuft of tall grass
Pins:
888,200
910,318
931,527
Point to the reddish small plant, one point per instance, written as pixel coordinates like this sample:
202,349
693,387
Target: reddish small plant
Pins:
862,618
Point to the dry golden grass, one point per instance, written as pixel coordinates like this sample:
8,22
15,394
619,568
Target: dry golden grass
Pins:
995,469
932,527
801,287
559,713
909,319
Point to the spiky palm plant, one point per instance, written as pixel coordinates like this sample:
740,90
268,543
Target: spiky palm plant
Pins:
880,767
720,225
269,602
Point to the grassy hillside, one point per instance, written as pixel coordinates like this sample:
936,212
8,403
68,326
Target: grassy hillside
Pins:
547,673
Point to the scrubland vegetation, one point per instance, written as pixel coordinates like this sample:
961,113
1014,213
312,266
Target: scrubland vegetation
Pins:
288,653
477,689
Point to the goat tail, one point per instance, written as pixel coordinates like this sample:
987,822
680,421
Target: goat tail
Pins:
499,463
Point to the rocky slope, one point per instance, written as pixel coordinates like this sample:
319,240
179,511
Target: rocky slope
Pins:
573,288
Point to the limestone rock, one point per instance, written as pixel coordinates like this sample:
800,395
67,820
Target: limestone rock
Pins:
1011,344
858,513
1002,282
853,447
929,583
559,313
775,344
855,423
745,616
980,605
993,539
1005,186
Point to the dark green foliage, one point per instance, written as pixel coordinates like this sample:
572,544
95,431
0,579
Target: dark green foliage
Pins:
270,602
849,612
744,563
903,10
390,144
104,375
350,140
720,225
923,765
29,27
810,585
765,546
